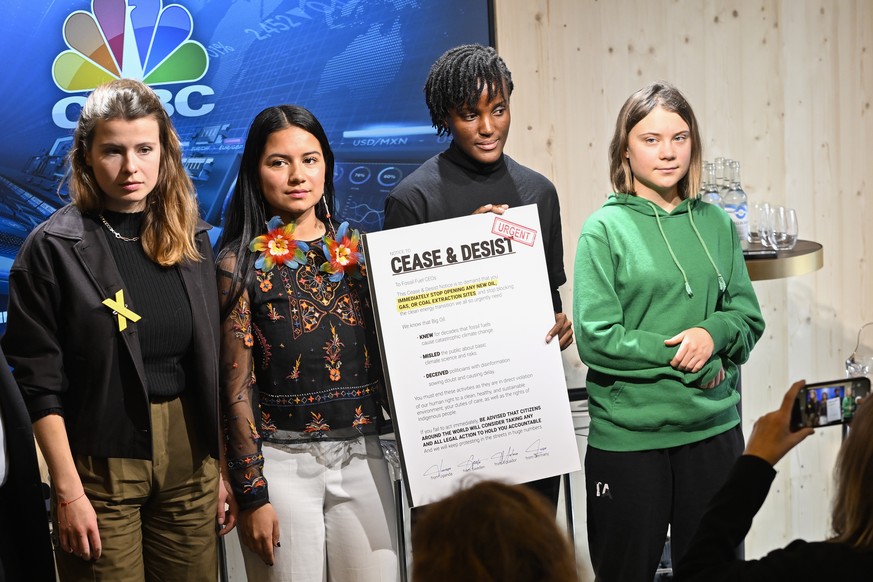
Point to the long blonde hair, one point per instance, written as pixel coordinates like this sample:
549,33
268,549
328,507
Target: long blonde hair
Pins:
171,213
852,516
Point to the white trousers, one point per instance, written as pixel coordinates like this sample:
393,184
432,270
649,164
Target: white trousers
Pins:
335,506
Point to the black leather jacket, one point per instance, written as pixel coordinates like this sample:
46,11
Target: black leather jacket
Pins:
66,349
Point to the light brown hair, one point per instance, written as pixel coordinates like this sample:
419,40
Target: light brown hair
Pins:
491,532
852,516
171,213
638,106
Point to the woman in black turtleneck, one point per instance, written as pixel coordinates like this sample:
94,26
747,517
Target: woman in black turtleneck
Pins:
467,93
112,335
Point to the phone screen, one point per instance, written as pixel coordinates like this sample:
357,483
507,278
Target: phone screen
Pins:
829,403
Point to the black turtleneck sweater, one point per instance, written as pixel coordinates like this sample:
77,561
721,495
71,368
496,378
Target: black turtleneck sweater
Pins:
451,184
158,295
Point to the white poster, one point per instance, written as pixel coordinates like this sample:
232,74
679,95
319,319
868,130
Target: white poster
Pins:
463,308
834,411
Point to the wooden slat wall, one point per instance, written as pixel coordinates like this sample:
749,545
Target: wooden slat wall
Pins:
784,86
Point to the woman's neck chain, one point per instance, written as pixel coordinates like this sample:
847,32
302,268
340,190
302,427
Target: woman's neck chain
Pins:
117,234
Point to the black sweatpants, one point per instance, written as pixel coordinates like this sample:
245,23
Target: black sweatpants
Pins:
633,496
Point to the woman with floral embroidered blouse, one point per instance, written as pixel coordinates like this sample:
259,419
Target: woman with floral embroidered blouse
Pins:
300,370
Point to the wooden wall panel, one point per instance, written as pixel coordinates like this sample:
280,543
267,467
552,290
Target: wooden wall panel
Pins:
784,86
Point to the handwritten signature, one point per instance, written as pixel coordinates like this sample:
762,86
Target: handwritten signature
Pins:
437,471
535,450
503,457
471,464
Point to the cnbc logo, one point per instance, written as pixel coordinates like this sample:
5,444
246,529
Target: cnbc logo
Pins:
134,39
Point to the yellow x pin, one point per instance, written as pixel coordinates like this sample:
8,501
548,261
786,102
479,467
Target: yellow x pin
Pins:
120,309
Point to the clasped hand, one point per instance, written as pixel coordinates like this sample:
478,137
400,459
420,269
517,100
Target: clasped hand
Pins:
695,349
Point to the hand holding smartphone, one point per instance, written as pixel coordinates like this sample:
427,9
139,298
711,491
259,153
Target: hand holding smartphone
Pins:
831,403
772,434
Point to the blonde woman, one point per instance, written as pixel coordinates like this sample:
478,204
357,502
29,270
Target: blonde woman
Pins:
665,314
112,334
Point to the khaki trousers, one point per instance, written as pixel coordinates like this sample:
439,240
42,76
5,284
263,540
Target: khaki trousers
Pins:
157,518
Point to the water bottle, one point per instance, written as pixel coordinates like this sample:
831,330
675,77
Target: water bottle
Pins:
736,204
721,179
709,189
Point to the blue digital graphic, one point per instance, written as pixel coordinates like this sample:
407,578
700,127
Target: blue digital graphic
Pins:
359,65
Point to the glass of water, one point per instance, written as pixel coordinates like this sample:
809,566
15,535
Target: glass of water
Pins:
782,228
758,223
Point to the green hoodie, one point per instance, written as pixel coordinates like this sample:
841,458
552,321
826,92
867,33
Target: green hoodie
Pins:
643,275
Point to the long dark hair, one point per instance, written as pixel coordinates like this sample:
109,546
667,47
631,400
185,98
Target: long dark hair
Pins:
246,216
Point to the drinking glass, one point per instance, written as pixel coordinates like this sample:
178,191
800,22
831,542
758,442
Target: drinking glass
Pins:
758,223
782,228
860,363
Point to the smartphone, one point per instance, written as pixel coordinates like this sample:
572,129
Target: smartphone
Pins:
828,403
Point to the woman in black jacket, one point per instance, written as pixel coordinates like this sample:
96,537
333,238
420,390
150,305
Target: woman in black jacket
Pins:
112,334
847,556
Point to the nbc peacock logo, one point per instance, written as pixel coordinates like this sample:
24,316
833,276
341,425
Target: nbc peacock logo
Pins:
135,39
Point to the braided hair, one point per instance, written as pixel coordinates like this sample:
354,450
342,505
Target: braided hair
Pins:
458,78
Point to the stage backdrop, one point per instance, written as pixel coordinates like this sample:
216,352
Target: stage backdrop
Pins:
359,65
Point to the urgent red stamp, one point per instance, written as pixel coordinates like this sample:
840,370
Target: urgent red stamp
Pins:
513,231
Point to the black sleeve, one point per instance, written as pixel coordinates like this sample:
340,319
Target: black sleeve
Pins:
245,460
32,339
399,214
555,256
711,555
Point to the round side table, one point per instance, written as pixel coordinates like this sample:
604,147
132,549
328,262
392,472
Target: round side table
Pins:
805,257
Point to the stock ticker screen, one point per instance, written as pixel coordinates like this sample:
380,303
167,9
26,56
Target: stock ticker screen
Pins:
358,65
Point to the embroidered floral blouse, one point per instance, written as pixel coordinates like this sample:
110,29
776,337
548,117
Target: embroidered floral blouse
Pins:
299,362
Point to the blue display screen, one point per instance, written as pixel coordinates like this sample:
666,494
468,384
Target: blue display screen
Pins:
359,65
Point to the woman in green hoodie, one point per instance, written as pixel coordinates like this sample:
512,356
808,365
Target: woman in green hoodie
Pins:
665,314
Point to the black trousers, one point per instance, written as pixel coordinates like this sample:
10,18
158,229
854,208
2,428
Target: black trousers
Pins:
548,488
633,496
